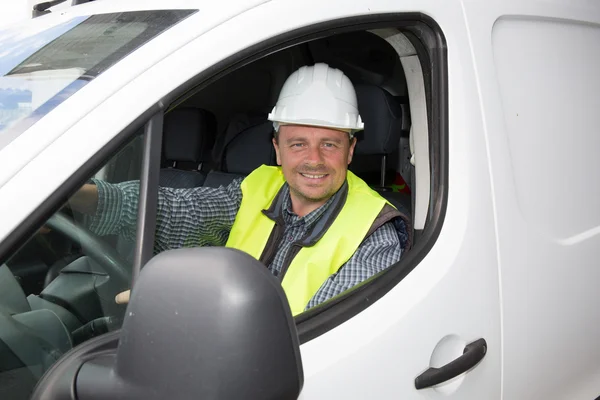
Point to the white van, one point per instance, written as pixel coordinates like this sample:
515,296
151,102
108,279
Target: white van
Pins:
481,123
18,11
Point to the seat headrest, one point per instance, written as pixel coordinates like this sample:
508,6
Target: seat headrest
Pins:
249,149
236,124
383,118
189,134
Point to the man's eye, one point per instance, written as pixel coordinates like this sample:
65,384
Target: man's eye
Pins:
297,145
329,144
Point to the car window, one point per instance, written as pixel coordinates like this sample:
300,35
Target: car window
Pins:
41,68
58,290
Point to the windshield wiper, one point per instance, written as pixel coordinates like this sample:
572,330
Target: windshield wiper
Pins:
42,8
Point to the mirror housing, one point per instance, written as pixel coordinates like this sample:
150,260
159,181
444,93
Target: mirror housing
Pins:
202,323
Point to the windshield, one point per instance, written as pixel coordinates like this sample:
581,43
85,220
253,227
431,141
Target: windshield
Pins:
41,68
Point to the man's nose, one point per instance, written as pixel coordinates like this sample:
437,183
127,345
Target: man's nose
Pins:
314,156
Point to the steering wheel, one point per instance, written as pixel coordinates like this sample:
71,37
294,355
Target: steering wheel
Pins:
102,253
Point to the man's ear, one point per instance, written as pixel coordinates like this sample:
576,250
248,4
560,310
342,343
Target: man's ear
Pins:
276,146
351,149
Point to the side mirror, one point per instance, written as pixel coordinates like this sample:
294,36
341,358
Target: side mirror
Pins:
202,323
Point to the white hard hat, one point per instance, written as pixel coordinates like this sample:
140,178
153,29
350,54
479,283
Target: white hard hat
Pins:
318,95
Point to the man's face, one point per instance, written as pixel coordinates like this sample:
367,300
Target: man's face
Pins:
314,161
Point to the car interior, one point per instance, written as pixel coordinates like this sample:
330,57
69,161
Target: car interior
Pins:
210,138
222,132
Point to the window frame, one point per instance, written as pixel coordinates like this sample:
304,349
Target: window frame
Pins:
60,196
430,43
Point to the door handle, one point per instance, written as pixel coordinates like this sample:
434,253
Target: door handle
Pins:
473,353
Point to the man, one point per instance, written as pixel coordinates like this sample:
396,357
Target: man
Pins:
315,225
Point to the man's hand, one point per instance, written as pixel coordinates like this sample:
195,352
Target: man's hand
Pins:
43,230
123,297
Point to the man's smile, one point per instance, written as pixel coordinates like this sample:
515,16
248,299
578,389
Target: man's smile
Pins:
314,176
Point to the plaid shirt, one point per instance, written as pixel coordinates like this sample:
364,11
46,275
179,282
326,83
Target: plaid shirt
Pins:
204,216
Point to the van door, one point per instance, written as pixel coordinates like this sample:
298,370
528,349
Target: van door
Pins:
540,85
450,299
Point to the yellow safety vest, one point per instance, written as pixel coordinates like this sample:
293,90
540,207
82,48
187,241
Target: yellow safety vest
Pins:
312,265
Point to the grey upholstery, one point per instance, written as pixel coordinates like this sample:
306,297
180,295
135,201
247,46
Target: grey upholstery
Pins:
220,178
12,299
247,146
250,149
385,120
35,337
189,135
238,124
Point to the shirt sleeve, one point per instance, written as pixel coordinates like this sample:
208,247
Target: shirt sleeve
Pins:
200,216
379,251
116,212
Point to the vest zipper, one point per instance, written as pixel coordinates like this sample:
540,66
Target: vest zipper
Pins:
271,246
292,253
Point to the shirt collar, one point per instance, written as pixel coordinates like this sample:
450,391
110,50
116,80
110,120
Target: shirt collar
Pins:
280,208
309,219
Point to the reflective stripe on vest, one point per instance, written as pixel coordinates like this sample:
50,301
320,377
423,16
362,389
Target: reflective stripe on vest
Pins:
312,265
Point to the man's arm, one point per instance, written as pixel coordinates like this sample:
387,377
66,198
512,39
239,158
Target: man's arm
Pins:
185,217
197,217
379,251
85,200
